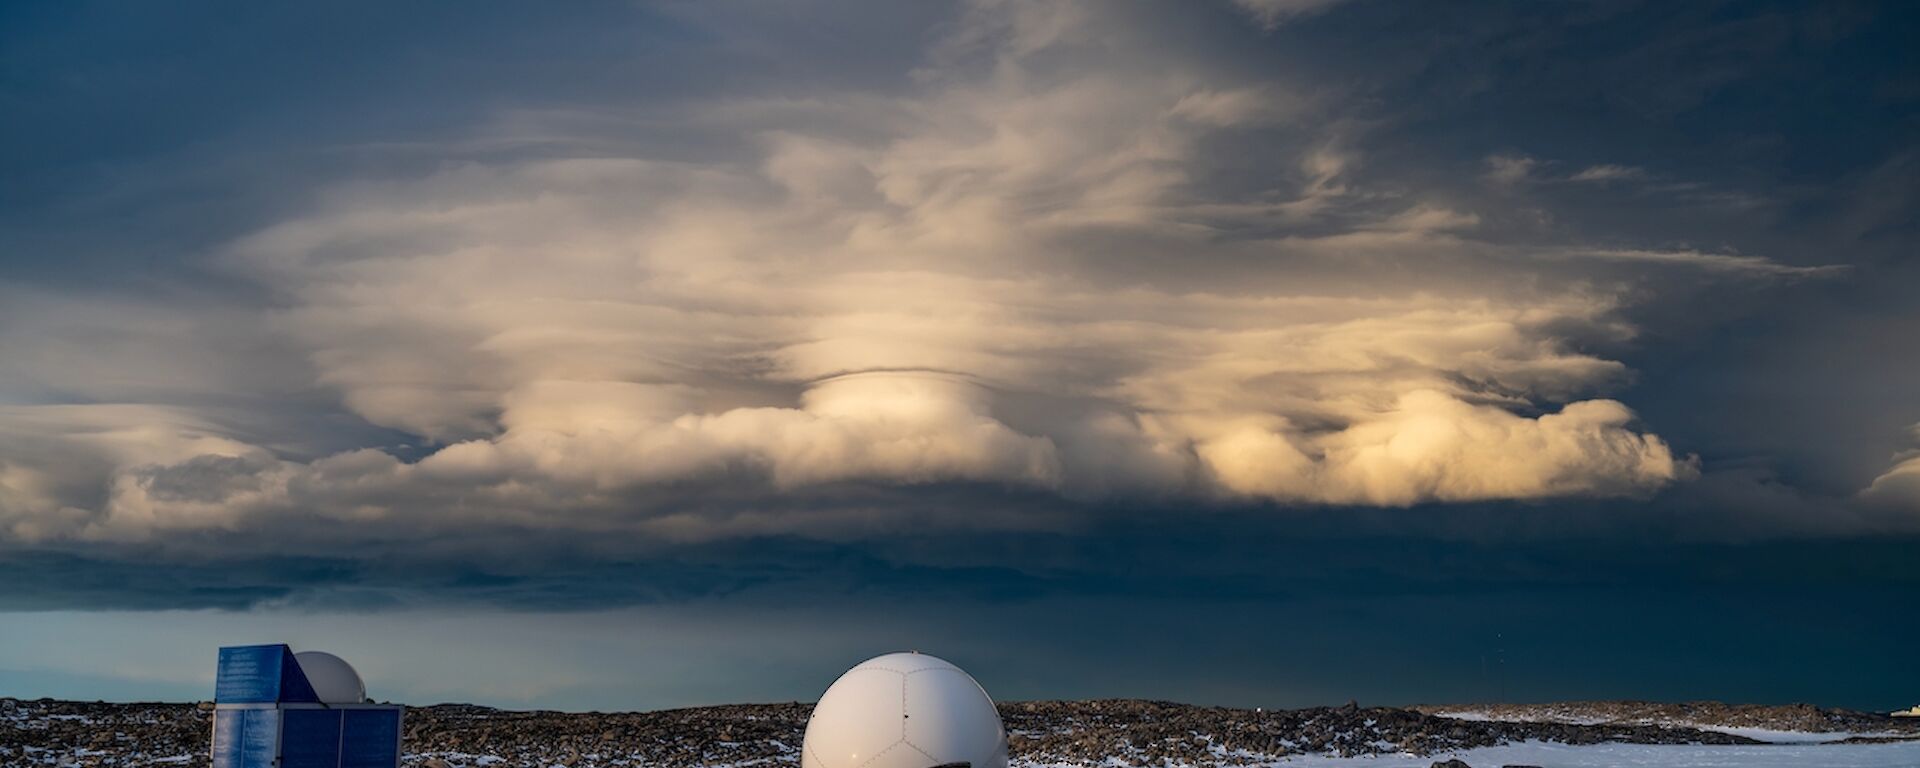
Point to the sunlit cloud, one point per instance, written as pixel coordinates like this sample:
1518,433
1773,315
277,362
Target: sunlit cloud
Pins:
1899,486
1010,273
1609,173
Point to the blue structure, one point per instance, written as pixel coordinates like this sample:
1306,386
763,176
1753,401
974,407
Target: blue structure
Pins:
266,715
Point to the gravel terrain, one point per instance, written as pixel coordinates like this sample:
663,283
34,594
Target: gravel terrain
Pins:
1792,717
1082,733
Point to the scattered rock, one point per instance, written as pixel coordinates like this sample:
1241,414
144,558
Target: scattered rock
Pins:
1056,733
1454,763
1790,717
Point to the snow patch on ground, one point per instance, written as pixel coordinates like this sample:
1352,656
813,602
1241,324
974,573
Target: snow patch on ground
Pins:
1784,737
1769,735
1547,717
1804,755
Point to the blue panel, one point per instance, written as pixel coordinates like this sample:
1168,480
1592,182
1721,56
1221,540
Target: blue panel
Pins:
260,674
250,674
372,739
293,680
310,738
229,729
245,738
259,738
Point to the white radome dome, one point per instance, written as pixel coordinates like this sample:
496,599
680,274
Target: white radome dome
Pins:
333,679
904,710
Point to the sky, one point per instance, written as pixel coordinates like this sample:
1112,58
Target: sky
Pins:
1254,352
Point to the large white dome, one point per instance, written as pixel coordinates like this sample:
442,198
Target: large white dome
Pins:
904,710
333,679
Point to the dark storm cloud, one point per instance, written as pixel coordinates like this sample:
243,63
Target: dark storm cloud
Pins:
372,307
1224,558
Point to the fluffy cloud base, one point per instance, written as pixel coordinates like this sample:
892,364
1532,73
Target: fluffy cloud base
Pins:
1899,486
572,449
1021,272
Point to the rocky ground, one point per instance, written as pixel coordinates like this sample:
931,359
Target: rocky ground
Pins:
1804,718
1085,733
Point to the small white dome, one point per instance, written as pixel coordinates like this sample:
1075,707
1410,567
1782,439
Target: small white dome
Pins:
333,679
904,710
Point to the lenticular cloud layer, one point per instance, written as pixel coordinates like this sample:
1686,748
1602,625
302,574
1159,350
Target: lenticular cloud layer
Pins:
1014,273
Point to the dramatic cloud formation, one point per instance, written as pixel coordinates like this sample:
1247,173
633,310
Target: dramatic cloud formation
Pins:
1018,274
1066,336
1067,256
